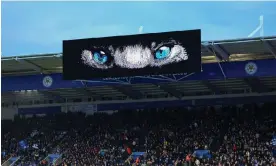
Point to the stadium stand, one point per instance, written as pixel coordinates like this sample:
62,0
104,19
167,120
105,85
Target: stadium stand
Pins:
224,121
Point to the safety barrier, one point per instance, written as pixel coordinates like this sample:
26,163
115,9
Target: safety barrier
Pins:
11,161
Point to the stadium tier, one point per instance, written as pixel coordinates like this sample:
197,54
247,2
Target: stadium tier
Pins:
249,68
218,113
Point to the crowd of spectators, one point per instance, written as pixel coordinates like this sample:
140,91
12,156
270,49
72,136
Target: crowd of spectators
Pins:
232,135
40,135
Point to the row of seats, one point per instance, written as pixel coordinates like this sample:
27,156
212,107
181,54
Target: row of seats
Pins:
229,135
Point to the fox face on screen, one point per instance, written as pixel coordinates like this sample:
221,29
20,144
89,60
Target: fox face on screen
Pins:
136,55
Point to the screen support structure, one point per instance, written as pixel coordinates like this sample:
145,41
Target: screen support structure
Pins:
105,81
214,53
221,69
128,80
185,77
160,77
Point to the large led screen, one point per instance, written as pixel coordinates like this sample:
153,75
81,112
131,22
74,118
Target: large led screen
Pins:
134,55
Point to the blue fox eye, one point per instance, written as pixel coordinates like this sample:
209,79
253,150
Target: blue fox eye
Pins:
162,52
100,57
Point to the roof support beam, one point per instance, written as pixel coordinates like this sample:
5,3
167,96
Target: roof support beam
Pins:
128,91
208,49
269,47
256,85
221,52
28,63
171,90
210,86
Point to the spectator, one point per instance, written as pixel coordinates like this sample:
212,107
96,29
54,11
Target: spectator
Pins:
222,136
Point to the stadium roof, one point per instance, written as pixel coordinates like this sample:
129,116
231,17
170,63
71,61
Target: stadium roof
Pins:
225,50
236,50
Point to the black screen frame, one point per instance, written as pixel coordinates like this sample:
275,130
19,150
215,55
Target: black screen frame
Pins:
74,69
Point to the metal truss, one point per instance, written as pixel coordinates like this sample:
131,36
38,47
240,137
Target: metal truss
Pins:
128,80
33,66
220,51
269,46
